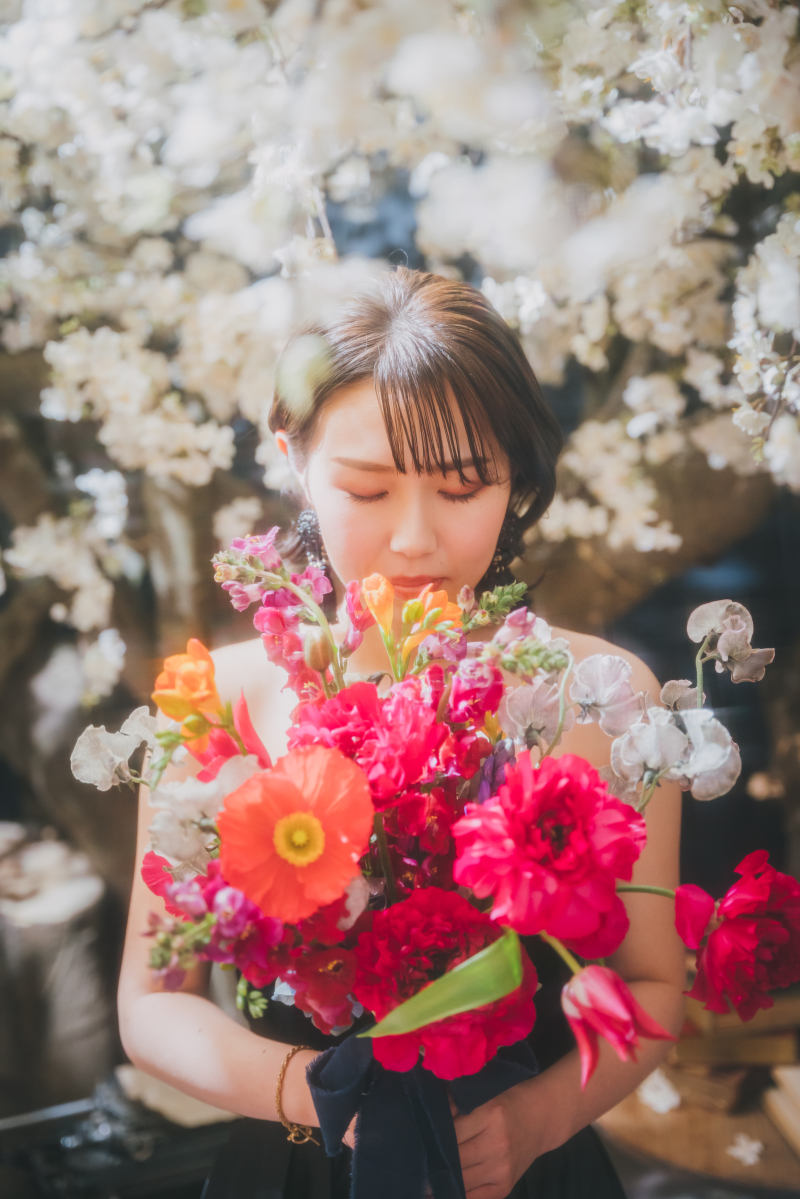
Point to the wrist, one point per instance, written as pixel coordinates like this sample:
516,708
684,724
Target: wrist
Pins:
542,1112
298,1106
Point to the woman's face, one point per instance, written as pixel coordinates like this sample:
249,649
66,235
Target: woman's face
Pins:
413,529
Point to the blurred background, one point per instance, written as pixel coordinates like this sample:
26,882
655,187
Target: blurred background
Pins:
184,182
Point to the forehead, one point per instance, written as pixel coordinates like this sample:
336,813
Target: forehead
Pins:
351,425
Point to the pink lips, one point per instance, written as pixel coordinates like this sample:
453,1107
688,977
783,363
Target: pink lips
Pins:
409,586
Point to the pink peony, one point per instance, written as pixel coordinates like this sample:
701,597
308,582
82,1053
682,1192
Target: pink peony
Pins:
549,848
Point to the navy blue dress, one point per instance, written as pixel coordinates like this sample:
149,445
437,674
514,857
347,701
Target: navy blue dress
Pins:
258,1161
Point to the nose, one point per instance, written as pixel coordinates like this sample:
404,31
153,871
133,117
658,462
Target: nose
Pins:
413,533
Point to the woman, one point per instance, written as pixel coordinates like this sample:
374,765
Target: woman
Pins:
424,449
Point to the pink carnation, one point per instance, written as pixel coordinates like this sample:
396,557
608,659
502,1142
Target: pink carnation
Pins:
391,739
549,848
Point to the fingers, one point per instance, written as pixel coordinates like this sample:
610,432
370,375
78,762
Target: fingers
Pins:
489,1191
484,1182
472,1125
349,1138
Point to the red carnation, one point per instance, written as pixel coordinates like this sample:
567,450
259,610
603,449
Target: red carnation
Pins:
323,980
411,944
549,848
755,946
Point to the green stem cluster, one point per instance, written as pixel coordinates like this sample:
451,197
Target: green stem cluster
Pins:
386,861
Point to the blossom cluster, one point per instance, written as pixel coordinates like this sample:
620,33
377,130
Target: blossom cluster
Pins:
411,830
166,171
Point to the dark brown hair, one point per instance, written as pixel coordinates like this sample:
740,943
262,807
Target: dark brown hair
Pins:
424,339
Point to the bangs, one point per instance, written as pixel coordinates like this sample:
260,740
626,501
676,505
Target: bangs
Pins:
421,406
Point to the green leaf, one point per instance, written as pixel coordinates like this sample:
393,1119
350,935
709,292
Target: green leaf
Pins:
481,979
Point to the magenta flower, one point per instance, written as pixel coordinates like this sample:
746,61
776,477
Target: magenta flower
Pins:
262,547
477,689
597,1003
243,595
234,911
189,897
359,615
315,582
451,649
694,907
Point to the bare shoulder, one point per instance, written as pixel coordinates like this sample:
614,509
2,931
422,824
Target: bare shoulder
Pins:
583,645
244,667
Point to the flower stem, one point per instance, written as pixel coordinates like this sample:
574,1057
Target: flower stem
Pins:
699,665
562,952
322,621
643,890
386,862
562,708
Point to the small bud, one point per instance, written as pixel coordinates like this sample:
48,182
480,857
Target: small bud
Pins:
225,573
482,617
195,725
412,611
466,599
317,650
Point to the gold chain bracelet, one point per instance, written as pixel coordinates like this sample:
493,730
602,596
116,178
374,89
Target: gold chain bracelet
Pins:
299,1134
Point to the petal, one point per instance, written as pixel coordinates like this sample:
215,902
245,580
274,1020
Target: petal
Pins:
694,907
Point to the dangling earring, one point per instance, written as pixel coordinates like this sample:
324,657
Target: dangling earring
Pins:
308,531
509,547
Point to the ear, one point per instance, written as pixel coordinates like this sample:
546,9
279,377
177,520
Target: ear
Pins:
284,445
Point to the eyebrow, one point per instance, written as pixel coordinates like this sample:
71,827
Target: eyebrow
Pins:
359,464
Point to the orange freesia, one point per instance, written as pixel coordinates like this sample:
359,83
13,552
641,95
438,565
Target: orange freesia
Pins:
430,600
186,684
378,594
291,837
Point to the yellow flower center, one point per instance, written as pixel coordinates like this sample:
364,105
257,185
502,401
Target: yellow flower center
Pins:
299,838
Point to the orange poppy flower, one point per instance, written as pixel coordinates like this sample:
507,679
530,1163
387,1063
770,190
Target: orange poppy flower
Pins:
292,836
378,594
432,599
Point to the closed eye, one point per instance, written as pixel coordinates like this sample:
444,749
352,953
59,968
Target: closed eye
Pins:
367,499
454,498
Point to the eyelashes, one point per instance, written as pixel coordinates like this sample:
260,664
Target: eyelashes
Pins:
366,499
451,499
460,499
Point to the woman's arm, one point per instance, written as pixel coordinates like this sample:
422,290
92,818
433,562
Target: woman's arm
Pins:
182,1038
498,1141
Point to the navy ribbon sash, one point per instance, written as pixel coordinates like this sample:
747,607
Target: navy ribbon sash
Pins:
405,1134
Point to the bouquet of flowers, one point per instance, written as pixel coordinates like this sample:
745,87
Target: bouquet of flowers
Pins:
418,825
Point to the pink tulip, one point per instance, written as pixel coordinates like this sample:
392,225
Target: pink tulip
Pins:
597,1003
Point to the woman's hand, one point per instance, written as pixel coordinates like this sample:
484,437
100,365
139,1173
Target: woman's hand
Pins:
496,1144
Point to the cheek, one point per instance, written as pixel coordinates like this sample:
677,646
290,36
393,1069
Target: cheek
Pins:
351,533
471,532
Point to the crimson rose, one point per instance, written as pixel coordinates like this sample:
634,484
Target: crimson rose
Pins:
549,847
415,942
755,946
